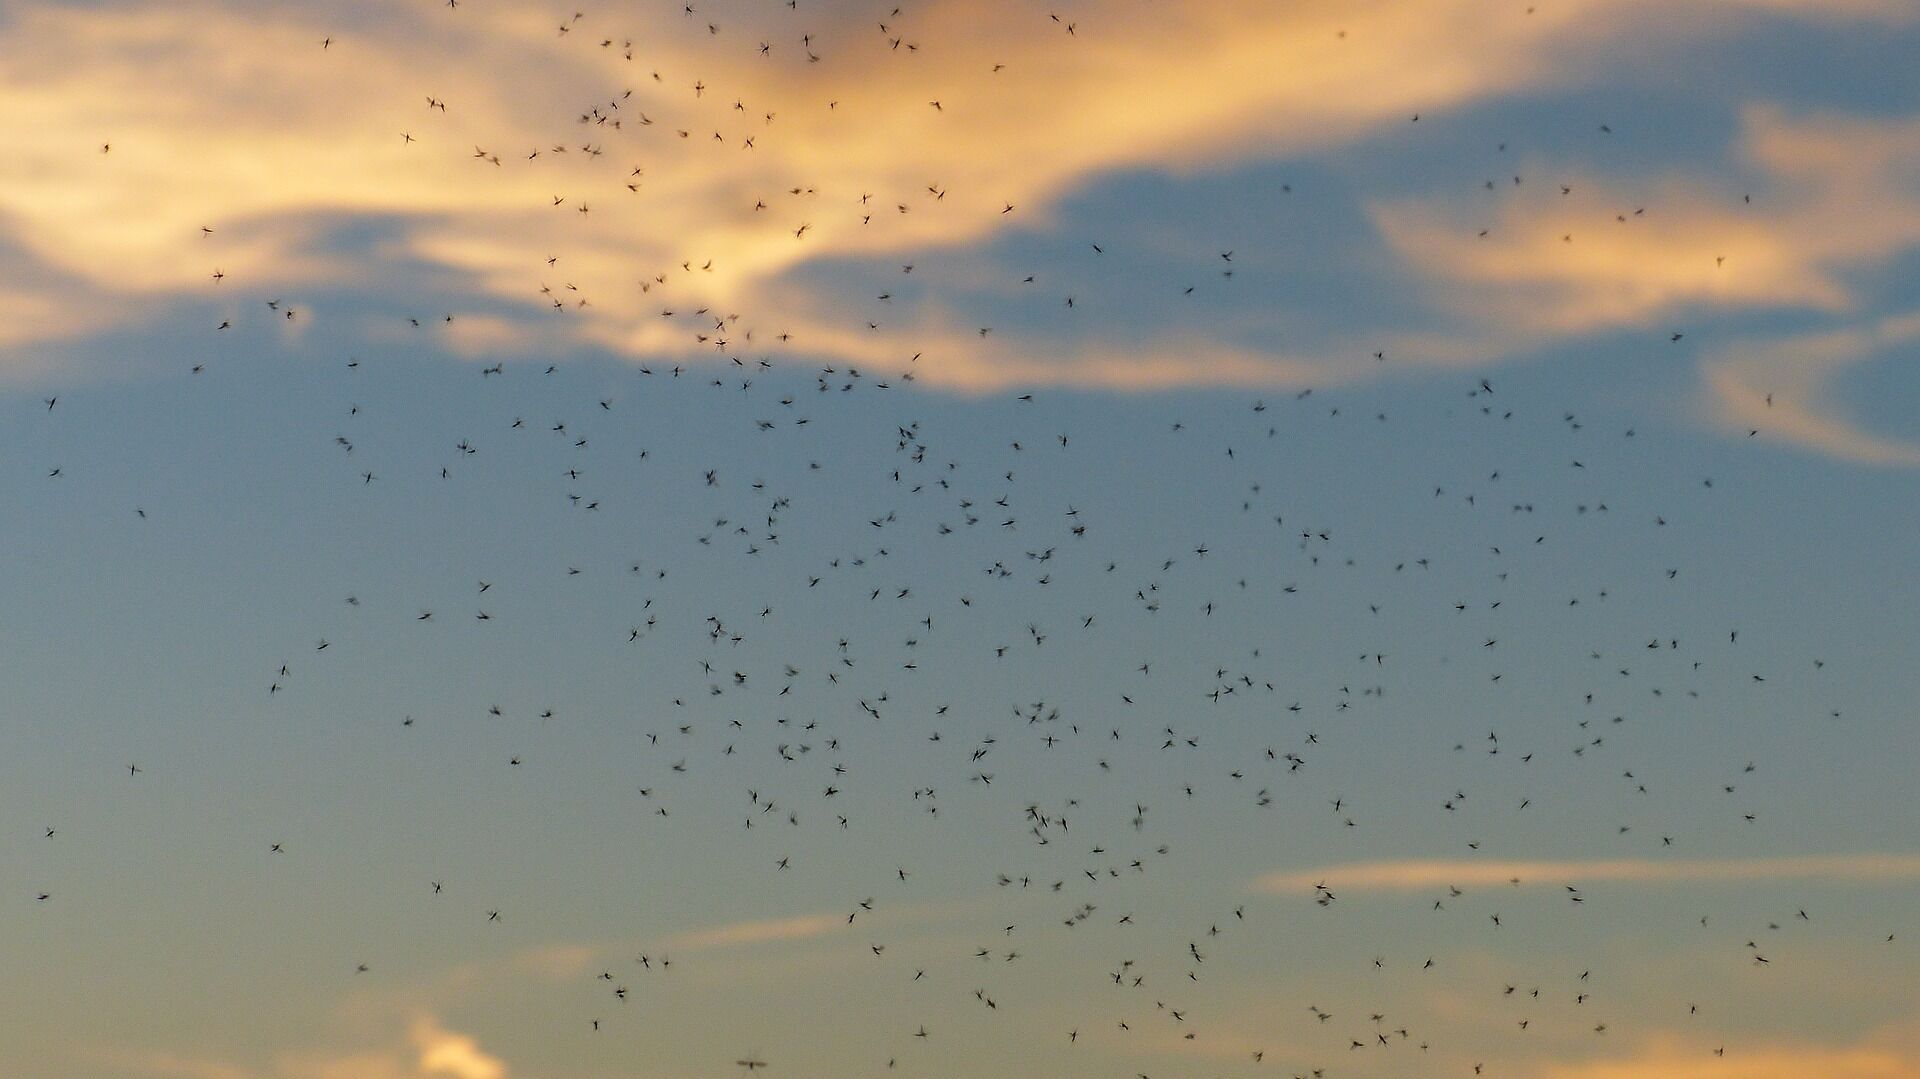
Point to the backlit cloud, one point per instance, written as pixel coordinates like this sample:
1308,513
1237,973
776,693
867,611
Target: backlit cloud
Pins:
446,1053
1778,390
1886,1054
1416,875
435,1053
757,932
1839,198
660,167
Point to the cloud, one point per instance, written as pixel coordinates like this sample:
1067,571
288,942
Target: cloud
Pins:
1777,390
950,357
273,142
1890,1052
1556,265
436,1053
445,1053
1421,874
1836,194
763,931
1837,198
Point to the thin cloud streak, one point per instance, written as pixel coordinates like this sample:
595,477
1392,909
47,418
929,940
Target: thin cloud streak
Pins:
1416,875
1673,1061
1778,391
763,931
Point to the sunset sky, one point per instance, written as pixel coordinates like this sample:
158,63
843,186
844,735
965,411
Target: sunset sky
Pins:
624,537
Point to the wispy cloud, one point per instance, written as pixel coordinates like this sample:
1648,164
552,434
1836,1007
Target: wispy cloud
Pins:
1778,390
433,1052
1836,195
915,916
266,138
1415,875
1878,1057
764,931
1837,198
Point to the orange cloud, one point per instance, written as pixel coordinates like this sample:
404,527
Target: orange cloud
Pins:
1556,265
877,149
437,1053
445,1053
1581,253
757,932
946,356
1877,1058
1839,198
1776,389
1420,874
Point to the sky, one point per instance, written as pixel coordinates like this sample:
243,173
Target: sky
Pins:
1360,539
